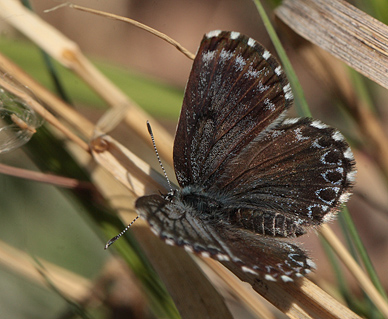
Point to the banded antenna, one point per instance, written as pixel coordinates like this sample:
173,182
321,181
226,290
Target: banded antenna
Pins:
111,241
158,157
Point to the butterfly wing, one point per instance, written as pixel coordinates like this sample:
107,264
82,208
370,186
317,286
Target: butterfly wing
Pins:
243,169
295,177
230,139
236,91
177,224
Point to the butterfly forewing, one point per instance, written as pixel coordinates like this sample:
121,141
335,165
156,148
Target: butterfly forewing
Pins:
178,224
236,90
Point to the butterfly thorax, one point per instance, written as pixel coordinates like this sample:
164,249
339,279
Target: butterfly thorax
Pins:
207,205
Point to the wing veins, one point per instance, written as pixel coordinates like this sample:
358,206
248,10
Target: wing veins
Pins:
201,107
235,145
247,112
282,156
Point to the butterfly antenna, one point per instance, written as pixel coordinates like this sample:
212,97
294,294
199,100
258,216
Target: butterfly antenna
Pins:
111,241
157,155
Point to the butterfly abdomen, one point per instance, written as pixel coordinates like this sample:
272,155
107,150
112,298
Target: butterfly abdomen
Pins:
274,225
208,205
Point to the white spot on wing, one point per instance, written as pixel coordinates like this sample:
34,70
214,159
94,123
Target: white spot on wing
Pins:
286,278
344,197
251,72
299,136
316,143
234,35
205,254
249,270
287,92
268,105
214,33
278,70
291,121
328,217
318,124
169,241
269,278
222,257
337,136
266,55
155,231
311,264
299,262
277,133
348,154
251,42
262,88
226,55
188,248
351,177
240,62
208,56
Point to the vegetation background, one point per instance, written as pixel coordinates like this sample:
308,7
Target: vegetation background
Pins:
56,225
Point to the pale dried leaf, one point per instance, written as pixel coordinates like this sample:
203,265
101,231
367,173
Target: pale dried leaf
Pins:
349,34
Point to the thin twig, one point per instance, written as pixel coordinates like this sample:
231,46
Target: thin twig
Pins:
51,179
142,26
361,277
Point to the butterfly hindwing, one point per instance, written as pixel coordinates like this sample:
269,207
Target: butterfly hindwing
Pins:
179,224
300,173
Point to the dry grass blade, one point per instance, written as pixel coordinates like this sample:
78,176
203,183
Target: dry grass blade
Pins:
361,277
68,283
68,53
125,166
341,29
300,299
23,125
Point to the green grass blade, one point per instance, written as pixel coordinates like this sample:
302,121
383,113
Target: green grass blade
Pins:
356,240
299,98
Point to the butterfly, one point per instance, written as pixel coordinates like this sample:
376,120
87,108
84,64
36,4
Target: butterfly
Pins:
249,178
